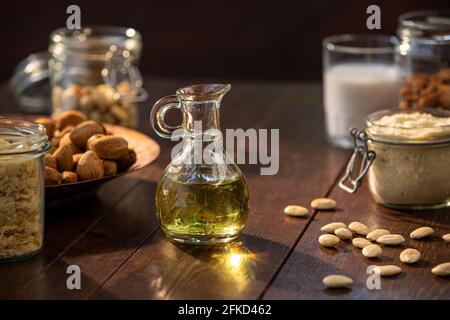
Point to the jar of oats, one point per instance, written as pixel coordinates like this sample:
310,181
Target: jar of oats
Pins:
22,147
406,154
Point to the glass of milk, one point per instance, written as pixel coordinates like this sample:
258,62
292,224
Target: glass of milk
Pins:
360,76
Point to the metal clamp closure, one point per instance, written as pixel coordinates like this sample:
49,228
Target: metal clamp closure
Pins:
347,182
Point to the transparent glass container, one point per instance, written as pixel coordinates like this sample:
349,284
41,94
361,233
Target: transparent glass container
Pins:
93,70
202,197
423,54
359,77
22,147
408,166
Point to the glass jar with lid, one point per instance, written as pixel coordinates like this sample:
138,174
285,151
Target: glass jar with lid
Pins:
406,154
22,147
93,70
423,54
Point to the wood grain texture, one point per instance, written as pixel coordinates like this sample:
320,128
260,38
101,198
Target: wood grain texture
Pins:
162,270
301,276
122,253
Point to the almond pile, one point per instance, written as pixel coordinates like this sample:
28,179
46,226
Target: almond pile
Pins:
426,90
83,150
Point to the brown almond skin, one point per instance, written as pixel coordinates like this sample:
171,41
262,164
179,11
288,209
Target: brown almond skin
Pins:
66,140
50,161
82,132
109,167
63,156
55,142
52,176
124,163
92,139
89,166
76,157
110,147
69,177
69,118
49,124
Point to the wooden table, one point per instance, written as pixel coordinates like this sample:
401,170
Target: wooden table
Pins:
122,253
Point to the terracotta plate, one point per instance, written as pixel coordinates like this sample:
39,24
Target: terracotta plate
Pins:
147,150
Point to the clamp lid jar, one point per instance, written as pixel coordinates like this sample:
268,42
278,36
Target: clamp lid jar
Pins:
406,154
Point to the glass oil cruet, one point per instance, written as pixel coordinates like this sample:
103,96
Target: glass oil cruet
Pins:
202,197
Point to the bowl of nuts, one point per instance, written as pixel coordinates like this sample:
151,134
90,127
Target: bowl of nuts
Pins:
86,153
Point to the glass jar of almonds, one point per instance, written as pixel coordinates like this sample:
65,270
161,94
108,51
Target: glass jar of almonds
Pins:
423,54
93,70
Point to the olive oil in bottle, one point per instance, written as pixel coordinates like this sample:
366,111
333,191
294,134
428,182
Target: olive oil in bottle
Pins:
202,212
199,200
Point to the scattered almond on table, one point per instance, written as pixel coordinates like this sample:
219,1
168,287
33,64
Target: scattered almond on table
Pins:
343,233
359,228
388,270
337,281
446,237
361,242
421,232
332,227
323,204
391,239
410,255
442,269
375,234
372,251
328,240
296,211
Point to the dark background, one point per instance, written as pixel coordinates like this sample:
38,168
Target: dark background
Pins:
251,39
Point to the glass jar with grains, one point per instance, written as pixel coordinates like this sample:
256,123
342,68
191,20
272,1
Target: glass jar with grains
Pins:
22,147
406,154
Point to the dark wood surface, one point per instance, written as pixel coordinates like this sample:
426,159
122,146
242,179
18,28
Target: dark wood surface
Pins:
115,240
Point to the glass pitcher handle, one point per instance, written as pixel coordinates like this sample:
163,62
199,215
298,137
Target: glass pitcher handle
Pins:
157,115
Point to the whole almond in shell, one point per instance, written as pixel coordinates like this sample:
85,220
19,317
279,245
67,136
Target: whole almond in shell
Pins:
76,157
110,147
82,132
89,166
124,163
69,177
92,139
52,176
69,118
49,124
50,161
63,156
65,140
109,167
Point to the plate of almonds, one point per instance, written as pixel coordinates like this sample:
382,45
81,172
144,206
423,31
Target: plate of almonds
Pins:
86,153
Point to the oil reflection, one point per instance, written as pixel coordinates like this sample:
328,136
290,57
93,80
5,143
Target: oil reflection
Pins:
235,264
227,271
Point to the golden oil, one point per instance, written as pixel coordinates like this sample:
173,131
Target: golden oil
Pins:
202,212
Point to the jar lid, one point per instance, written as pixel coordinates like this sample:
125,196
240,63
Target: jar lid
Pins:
93,43
30,83
431,26
19,136
412,126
